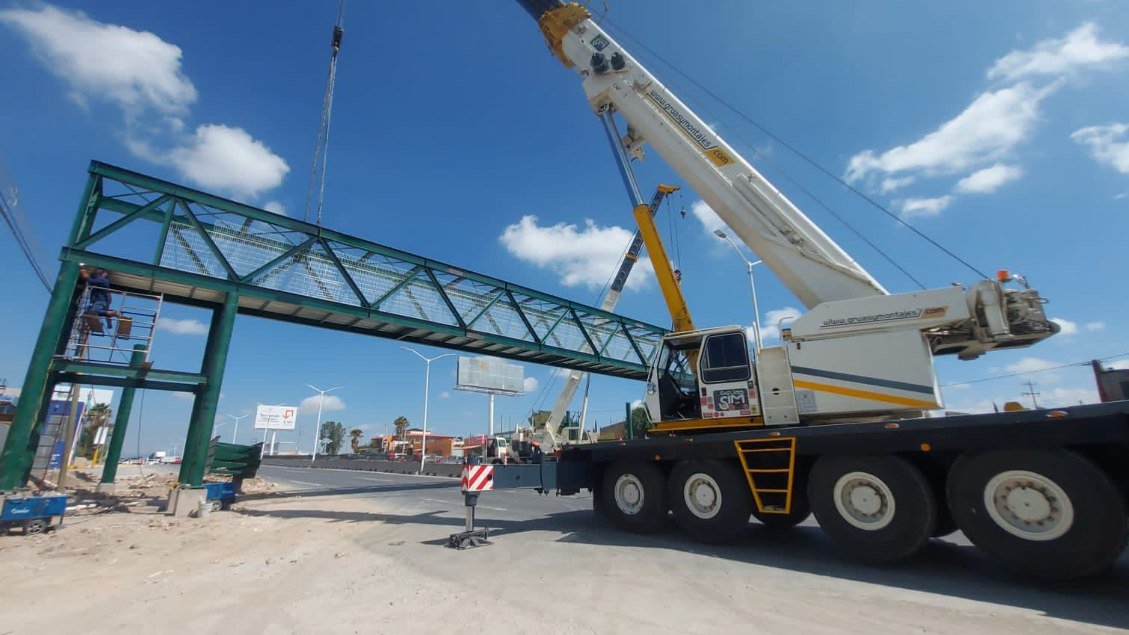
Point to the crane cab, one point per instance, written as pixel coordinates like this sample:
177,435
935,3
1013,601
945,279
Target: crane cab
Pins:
704,379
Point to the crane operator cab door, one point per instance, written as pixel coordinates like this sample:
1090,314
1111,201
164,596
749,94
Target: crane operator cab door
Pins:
727,377
725,385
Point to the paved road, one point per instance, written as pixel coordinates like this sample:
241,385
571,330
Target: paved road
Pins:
433,493
948,574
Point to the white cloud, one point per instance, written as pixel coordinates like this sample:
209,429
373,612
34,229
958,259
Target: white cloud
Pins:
1109,145
770,323
585,256
275,207
890,184
1066,327
1095,326
1121,364
141,74
1079,48
925,207
309,405
444,395
182,327
1060,397
184,396
709,219
988,180
997,122
135,69
228,159
1031,365
987,130
1118,197
529,384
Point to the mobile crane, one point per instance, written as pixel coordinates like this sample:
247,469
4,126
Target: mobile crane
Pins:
1043,492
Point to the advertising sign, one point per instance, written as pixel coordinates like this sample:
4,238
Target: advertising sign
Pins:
276,417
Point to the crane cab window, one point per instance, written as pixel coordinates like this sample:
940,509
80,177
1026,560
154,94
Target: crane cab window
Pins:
678,390
726,358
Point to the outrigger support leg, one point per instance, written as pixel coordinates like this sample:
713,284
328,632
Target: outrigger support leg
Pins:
471,537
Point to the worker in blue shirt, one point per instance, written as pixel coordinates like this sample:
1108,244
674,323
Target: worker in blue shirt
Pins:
99,285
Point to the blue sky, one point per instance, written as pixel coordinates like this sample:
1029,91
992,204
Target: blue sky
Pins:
1000,129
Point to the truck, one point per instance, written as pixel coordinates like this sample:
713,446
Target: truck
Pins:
832,420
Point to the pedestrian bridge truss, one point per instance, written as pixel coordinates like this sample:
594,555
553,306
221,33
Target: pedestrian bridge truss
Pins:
158,237
181,245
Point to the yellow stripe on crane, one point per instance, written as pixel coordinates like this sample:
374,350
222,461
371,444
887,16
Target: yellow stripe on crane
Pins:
866,394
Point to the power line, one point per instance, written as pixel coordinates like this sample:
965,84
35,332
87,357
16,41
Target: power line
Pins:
797,152
1031,372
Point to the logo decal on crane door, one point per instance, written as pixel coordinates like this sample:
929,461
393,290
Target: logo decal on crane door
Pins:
478,478
701,138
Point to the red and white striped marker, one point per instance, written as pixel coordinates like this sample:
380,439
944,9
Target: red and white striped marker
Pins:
478,478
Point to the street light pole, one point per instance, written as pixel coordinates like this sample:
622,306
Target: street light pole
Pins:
235,434
426,392
317,429
752,288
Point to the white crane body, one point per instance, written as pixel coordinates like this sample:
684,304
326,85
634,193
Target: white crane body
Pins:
859,353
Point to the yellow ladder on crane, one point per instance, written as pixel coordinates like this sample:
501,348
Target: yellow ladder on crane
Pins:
769,466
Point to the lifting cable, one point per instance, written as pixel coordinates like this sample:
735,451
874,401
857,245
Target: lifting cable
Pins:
321,146
797,152
18,225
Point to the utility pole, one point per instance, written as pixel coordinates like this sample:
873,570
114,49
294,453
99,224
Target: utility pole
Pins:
1032,394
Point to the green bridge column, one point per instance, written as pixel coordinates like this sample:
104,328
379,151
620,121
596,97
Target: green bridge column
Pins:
121,421
16,457
208,395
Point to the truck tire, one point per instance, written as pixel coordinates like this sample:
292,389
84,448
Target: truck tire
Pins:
801,509
1045,513
875,508
634,497
710,499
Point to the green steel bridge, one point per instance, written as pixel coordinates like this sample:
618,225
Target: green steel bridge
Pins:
189,247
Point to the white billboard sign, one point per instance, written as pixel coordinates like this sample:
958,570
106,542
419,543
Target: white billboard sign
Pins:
490,374
276,417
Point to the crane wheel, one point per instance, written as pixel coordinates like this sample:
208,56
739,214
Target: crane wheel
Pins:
710,499
633,497
1050,514
800,511
874,508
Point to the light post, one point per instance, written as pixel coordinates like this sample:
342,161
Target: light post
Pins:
317,430
235,433
752,287
426,385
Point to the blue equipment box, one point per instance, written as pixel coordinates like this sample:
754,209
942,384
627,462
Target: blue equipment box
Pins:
223,492
33,507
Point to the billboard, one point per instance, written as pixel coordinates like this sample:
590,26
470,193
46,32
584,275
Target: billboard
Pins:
276,417
490,374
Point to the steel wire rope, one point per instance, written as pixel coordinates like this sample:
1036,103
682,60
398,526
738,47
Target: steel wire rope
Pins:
818,166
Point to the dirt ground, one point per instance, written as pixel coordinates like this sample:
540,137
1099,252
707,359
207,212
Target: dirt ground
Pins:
304,564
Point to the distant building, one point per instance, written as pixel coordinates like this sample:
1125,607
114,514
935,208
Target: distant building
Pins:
440,444
1113,383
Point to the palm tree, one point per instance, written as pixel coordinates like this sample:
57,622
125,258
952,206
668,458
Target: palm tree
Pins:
96,417
401,424
355,439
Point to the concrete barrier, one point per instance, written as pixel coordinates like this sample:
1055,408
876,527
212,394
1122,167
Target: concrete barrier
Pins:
366,465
